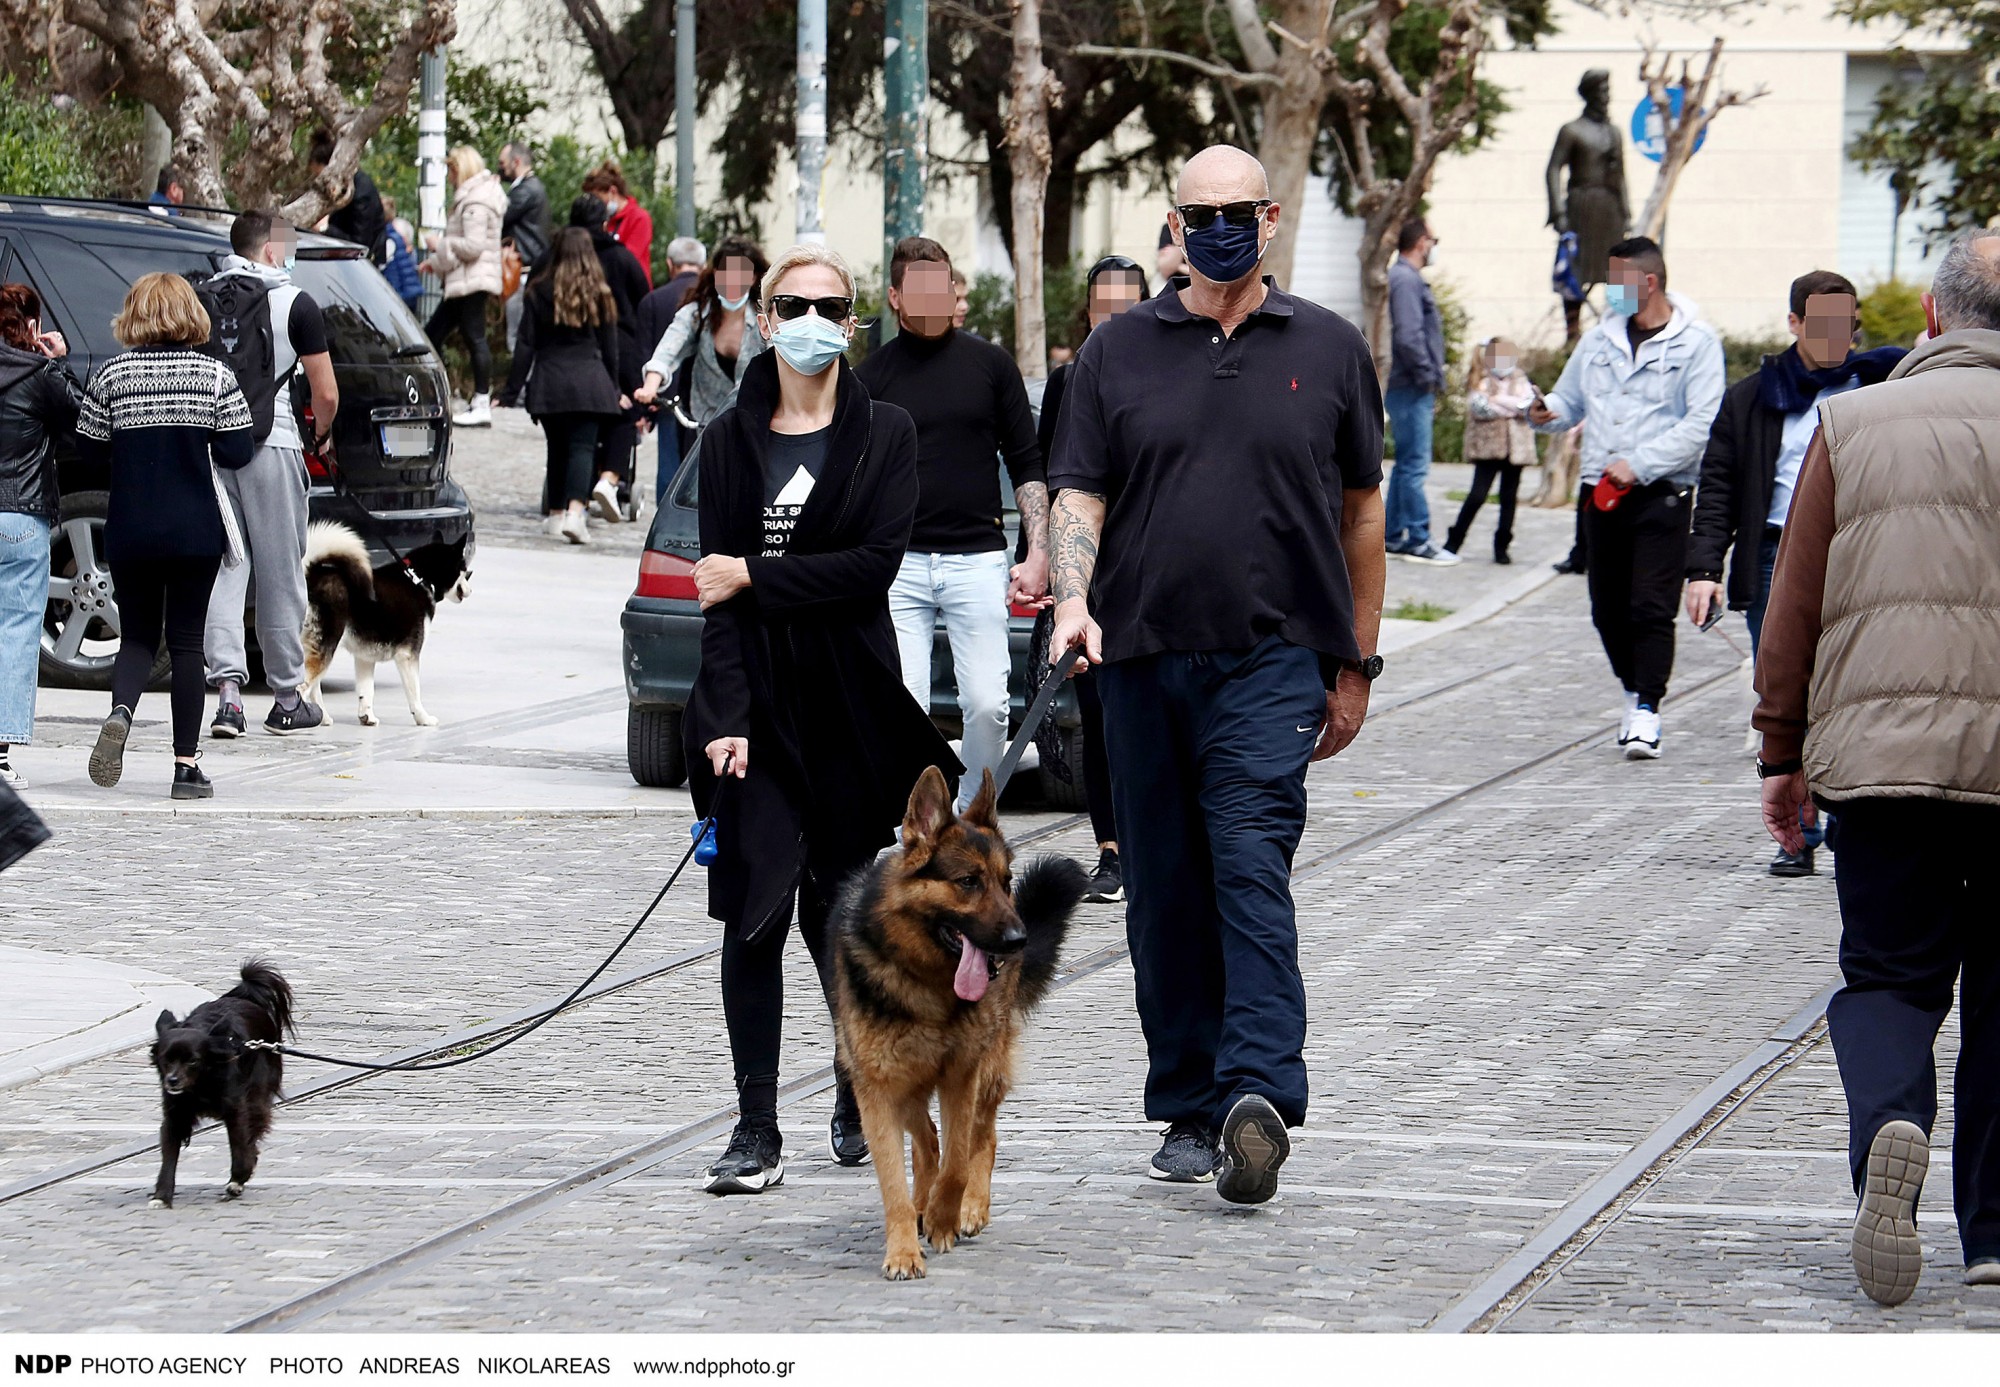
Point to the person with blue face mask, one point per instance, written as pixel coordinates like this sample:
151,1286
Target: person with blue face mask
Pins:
1646,383
808,487
1416,372
1217,471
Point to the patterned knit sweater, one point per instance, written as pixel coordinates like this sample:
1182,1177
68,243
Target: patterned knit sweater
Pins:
156,416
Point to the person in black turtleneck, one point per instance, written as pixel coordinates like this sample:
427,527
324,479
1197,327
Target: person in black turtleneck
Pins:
970,408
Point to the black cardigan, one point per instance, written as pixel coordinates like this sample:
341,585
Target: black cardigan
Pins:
1738,472
568,370
803,663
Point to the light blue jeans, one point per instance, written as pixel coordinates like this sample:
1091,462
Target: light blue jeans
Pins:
24,597
970,592
1408,521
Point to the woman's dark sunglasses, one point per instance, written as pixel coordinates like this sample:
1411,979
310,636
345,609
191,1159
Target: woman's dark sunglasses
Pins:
790,306
1200,216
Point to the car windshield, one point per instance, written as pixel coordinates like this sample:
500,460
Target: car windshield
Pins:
367,325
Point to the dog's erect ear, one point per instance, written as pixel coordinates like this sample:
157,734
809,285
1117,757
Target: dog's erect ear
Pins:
984,809
164,1024
929,814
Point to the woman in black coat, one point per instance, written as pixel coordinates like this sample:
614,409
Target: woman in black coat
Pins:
629,287
808,488
567,353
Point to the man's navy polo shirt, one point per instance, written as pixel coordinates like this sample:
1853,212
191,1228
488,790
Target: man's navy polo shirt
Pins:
1222,461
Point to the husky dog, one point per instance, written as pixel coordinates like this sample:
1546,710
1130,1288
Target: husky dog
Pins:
377,613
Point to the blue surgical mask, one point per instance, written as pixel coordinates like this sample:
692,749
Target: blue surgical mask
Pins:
291,260
733,304
810,344
1621,299
1224,253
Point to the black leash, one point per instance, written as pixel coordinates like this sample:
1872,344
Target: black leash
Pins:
332,465
1059,671
414,1066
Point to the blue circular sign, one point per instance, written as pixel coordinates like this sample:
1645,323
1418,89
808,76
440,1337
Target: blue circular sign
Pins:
1649,134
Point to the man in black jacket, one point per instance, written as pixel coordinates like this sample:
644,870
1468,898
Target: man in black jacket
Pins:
1755,447
525,223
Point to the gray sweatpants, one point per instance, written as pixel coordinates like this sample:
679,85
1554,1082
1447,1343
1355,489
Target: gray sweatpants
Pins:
270,500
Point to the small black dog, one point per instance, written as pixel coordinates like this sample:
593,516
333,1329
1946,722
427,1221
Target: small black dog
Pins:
379,614
206,1072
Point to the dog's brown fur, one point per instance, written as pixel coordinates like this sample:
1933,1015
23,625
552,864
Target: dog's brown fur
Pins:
904,1033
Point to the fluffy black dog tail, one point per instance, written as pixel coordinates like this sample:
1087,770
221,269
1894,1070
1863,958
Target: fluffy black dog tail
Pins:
1047,896
266,987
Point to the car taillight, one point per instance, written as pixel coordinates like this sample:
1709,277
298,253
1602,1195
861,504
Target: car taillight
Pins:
665,575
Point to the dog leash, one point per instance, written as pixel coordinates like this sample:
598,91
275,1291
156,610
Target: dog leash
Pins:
411,1066
332,465
1059,671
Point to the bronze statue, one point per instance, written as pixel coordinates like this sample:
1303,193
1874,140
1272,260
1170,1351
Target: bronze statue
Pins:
1594,206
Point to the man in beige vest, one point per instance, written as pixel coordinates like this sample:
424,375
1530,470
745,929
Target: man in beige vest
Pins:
1879,680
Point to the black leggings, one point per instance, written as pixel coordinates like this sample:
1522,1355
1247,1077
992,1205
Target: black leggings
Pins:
1096,765
753,992
1484,471
170,594
466,314
572,440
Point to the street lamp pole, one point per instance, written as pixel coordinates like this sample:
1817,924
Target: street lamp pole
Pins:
430,161
684,118
906,79
811,155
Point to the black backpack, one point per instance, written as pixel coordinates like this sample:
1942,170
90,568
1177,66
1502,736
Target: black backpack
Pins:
241,338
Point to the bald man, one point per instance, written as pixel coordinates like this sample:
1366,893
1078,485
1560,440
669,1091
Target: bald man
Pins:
1879,678
1218,551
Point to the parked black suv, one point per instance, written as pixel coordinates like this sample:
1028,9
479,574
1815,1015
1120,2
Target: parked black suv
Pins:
392,438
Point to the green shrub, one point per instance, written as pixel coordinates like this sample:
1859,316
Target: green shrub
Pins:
1892,314
47,150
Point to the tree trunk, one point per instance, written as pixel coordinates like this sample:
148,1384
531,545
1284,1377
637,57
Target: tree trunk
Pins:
1034,90
1378,241
1290,127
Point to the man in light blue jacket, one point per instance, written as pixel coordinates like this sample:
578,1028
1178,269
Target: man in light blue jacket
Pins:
1645,383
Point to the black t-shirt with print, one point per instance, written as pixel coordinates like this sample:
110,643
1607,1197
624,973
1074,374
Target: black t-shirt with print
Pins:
792,465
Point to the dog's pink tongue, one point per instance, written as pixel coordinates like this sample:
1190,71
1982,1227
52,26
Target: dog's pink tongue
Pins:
970,983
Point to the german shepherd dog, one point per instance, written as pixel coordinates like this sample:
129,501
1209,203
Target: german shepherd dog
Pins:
377,613
938,958
206,1072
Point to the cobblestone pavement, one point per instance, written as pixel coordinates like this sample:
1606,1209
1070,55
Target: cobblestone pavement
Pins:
1523,956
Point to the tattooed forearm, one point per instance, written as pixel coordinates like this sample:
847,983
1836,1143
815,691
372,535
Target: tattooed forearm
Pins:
1077,523
1033,500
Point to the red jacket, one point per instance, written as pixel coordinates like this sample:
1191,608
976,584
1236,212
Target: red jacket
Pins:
633,226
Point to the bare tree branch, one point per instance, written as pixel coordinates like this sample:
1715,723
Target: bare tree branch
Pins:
1219,71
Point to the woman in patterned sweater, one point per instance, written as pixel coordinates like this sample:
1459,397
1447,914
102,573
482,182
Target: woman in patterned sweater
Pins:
162,416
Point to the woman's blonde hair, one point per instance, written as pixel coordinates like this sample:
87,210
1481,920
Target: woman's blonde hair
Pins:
805,255
161,310
465,164
582,297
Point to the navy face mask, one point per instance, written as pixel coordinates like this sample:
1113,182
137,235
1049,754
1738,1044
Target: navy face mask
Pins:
1224,253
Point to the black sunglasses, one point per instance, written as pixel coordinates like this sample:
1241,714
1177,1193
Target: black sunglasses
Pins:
790,306
1199,216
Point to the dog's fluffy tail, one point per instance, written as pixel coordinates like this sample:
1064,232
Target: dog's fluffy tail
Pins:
333,548
1047,897
267,988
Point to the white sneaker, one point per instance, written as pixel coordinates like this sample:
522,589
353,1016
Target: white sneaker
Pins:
604,500
11,777
576,528
477,415
1625,719
552,525
1642,741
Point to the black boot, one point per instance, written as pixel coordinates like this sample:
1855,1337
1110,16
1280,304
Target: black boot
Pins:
844,1135
754,1160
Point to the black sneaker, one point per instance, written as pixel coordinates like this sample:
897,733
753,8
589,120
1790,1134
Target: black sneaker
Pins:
753,1162
1501,557
107,758
300,717
1107,883
1187,1156
228,721
1792,864
845,1138
190,783
1254,1145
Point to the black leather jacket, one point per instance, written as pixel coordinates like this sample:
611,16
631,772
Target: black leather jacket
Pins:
38,404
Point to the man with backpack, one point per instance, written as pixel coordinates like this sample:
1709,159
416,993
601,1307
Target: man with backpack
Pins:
268,331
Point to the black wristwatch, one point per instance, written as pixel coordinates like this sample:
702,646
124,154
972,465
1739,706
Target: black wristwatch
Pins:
1767,769
1369,669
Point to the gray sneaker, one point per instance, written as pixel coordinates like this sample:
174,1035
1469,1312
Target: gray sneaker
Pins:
1254,1145
1429,553
1888,1256
107,758
1187,1156
300,717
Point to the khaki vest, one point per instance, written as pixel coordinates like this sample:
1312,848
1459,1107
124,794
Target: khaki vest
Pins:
1905,697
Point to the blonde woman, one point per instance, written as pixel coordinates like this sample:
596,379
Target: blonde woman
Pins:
567,354
160,417
467,257
1498,442
808,488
